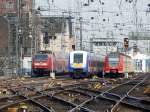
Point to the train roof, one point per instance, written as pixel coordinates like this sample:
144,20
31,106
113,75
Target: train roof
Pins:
118,53
92,55
44,52
79,51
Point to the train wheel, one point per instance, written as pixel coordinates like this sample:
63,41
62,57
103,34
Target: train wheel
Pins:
115,75
33,74
76,76
121,75
108,75
100,74
72,75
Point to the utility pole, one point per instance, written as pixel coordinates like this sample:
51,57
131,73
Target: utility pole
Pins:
52,74
126,45
80,19
63,31
17,42
136,19
78,36
19,39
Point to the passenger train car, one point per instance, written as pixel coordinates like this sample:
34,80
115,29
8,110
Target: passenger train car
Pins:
83,64
44,62
117,64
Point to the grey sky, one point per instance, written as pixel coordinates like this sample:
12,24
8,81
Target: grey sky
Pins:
110,6
117,16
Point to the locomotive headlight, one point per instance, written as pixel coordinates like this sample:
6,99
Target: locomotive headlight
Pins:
36,63
44,64
78,65
75,64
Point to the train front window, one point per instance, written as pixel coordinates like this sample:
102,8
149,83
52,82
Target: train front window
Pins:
113,61
40,57
78,58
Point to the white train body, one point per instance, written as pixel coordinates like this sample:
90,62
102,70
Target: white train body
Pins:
83,64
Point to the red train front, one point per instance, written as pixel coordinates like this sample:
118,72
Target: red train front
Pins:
116,64
41,64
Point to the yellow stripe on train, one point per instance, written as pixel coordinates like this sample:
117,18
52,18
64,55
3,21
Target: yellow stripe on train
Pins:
78,65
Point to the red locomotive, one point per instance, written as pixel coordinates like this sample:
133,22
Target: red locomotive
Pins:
44,62
117,64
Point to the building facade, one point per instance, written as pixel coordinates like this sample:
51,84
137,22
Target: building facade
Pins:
59,34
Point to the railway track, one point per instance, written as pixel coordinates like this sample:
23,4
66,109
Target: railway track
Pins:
30,94
112,100
125,89
74,96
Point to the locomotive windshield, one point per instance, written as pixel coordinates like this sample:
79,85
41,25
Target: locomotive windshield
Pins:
113,59
40,57
78,58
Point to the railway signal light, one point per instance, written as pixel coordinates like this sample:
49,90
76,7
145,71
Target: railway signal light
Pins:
126,43
73,47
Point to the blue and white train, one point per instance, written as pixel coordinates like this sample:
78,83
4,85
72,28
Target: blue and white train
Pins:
83,64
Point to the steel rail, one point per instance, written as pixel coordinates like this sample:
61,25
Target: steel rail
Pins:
26,99
121,100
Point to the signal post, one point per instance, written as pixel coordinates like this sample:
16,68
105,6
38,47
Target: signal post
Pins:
126,45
